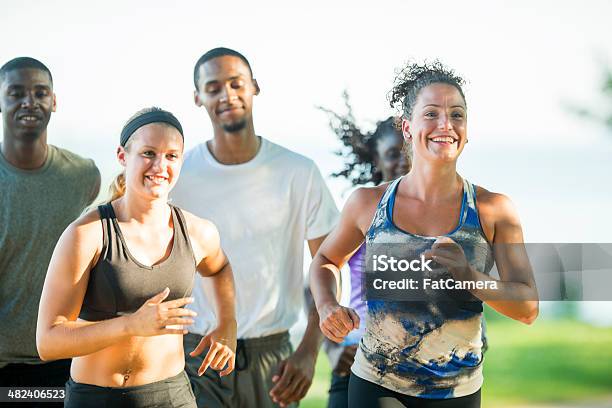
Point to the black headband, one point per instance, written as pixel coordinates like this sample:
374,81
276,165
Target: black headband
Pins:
155,116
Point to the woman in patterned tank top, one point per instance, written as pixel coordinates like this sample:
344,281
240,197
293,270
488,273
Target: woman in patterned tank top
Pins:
426,351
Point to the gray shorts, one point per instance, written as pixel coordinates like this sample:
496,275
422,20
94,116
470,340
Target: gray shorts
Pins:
248,386
173,392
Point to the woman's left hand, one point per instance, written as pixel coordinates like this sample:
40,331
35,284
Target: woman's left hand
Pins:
450,255
221,344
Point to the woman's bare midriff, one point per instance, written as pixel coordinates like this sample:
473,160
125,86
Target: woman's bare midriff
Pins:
135,361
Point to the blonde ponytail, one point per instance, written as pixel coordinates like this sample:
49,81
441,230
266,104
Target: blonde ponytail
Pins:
117,187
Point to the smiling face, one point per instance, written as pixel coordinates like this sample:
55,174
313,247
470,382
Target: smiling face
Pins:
152,159
438,126
26,101
226,89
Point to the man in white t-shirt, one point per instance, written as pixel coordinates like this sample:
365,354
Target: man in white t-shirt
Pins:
266,201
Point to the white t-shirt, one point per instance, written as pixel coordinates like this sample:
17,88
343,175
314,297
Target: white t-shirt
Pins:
264,209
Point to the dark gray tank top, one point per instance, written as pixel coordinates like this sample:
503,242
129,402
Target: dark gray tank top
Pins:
119,284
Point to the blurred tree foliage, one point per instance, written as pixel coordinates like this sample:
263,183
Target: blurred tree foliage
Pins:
604,113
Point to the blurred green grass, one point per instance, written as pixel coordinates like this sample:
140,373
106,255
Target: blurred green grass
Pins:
551,361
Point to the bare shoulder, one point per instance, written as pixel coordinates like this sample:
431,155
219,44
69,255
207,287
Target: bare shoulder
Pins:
494,204
496,211
200,230
365,197
83,239
86,227
362,203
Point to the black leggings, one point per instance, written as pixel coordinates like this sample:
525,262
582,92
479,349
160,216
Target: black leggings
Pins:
364,394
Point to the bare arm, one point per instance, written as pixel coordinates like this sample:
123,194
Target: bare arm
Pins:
214,265
516,277
294,374
311,342
515,294
337,321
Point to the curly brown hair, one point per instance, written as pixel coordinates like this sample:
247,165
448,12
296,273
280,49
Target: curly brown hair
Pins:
359,152
410,80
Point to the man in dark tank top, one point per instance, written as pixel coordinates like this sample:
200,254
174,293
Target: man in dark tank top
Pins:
43,188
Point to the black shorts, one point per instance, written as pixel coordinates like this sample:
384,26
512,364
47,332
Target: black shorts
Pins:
173,392
366,394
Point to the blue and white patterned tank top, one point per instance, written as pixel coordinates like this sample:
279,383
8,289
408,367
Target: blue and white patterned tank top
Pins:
426,349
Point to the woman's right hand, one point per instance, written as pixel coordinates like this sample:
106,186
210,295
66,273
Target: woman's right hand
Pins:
336,321
155,315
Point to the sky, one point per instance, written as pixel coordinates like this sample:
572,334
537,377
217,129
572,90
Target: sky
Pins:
525,63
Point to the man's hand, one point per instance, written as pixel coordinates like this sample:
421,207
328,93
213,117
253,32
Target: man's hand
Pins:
293,379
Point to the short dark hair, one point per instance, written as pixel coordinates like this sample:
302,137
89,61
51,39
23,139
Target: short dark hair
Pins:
414,77
214,53
24,63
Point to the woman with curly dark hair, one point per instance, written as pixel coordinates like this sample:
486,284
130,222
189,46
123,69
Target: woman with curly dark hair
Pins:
370,158
427,353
